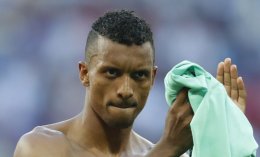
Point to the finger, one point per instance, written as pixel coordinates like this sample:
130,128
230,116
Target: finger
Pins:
187,109
227,80
181,98
187,121
242,95
220,72
234,88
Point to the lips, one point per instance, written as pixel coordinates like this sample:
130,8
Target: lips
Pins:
123,104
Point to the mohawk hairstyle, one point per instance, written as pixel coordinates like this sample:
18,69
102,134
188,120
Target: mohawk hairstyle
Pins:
121,26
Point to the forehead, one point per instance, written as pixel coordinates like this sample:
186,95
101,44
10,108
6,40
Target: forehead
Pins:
118,54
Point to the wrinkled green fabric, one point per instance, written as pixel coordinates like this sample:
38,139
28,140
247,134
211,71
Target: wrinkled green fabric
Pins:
219,128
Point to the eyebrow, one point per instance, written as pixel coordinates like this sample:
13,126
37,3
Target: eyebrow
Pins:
108,65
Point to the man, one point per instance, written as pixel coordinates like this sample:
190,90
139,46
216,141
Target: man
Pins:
118,74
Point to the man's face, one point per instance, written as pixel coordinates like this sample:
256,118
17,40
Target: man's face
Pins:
120,78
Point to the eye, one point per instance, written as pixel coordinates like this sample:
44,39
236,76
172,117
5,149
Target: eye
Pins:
139,75
112,72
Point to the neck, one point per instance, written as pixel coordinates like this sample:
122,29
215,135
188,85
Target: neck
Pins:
89,131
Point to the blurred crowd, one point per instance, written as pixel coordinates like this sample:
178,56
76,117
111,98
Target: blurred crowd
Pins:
41,43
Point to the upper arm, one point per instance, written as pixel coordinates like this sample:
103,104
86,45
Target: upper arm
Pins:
184,155
25,146
41,142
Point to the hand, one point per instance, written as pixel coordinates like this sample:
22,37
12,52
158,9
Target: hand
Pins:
177,137
227,74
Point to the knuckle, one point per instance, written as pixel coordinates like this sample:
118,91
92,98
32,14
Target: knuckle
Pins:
181,117
226,82
172,110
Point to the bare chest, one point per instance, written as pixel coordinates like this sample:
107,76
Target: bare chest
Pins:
97,153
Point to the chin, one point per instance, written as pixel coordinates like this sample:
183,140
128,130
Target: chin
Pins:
120,123
120,118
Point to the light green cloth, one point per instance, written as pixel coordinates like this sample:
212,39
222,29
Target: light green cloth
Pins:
219,128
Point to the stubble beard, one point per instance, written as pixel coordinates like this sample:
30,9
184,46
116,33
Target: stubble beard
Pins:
120,123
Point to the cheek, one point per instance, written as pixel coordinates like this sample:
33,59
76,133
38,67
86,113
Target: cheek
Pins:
142,93
99,89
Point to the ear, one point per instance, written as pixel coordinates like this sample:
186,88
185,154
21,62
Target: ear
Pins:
154,73
83,73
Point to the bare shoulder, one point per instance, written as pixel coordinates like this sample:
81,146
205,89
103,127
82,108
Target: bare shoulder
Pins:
142,141
140,145
42,141
143,146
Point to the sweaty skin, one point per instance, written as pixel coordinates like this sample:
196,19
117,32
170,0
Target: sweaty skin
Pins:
118,79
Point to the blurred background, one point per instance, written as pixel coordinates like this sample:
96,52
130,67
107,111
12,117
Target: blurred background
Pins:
41,43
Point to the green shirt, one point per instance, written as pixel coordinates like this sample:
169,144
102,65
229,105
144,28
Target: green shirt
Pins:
219,128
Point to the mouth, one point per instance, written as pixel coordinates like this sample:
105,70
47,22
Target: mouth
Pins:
123,105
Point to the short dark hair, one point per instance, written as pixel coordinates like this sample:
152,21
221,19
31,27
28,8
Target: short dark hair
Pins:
121,26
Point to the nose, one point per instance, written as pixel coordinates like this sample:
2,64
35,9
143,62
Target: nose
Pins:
125,90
